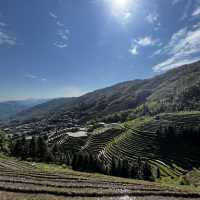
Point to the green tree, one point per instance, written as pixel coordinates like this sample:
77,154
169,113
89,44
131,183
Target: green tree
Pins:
114,167
125,169
2,141
42,149
56,152
33,148
24,147
146,171
17,148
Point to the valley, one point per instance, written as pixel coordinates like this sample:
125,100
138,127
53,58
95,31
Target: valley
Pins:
134,140
100,100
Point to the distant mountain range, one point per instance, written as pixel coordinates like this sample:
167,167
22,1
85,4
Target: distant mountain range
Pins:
175,90
11,108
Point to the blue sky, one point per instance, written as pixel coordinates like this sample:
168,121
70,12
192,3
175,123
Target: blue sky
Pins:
62,48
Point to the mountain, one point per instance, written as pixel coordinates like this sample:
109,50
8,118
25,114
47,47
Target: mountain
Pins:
175,90
168,141
11,108
160,126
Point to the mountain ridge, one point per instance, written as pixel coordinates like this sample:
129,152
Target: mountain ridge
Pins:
165,92
11,108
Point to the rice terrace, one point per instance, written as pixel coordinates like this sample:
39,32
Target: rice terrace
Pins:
21,180
100,100
33,180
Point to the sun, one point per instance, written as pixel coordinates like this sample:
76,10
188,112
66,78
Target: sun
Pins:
121,10
120,5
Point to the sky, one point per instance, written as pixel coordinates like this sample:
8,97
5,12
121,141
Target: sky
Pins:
64,48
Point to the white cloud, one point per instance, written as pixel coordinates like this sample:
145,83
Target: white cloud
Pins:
63,33
59,23
183,48
126,17
187,7
7,39
145,41
34,77
3,24
60,45
123,17
53,15
133,50
174,2
31,76
174,62
196,25
63,38
152,18
141,42
186,11
196,12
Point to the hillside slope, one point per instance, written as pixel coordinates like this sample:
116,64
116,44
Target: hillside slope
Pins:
11,108
176,90
24,180
149,138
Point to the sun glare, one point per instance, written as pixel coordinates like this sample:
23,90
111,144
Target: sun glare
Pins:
120,5
121,10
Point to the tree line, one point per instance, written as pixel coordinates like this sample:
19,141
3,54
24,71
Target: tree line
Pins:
36,149
118,167
185,133
3,142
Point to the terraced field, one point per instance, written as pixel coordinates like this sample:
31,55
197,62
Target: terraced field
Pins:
140,139
22,180
100,139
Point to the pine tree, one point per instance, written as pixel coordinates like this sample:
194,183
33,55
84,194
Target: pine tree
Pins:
17,149
158,172
56,153
42,149
24,150
146,171
48,157
139,168
114,167
133,171
87,162
120,167
2,141
33,149
125,169
74,162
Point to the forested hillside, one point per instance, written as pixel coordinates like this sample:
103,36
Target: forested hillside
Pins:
176,90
